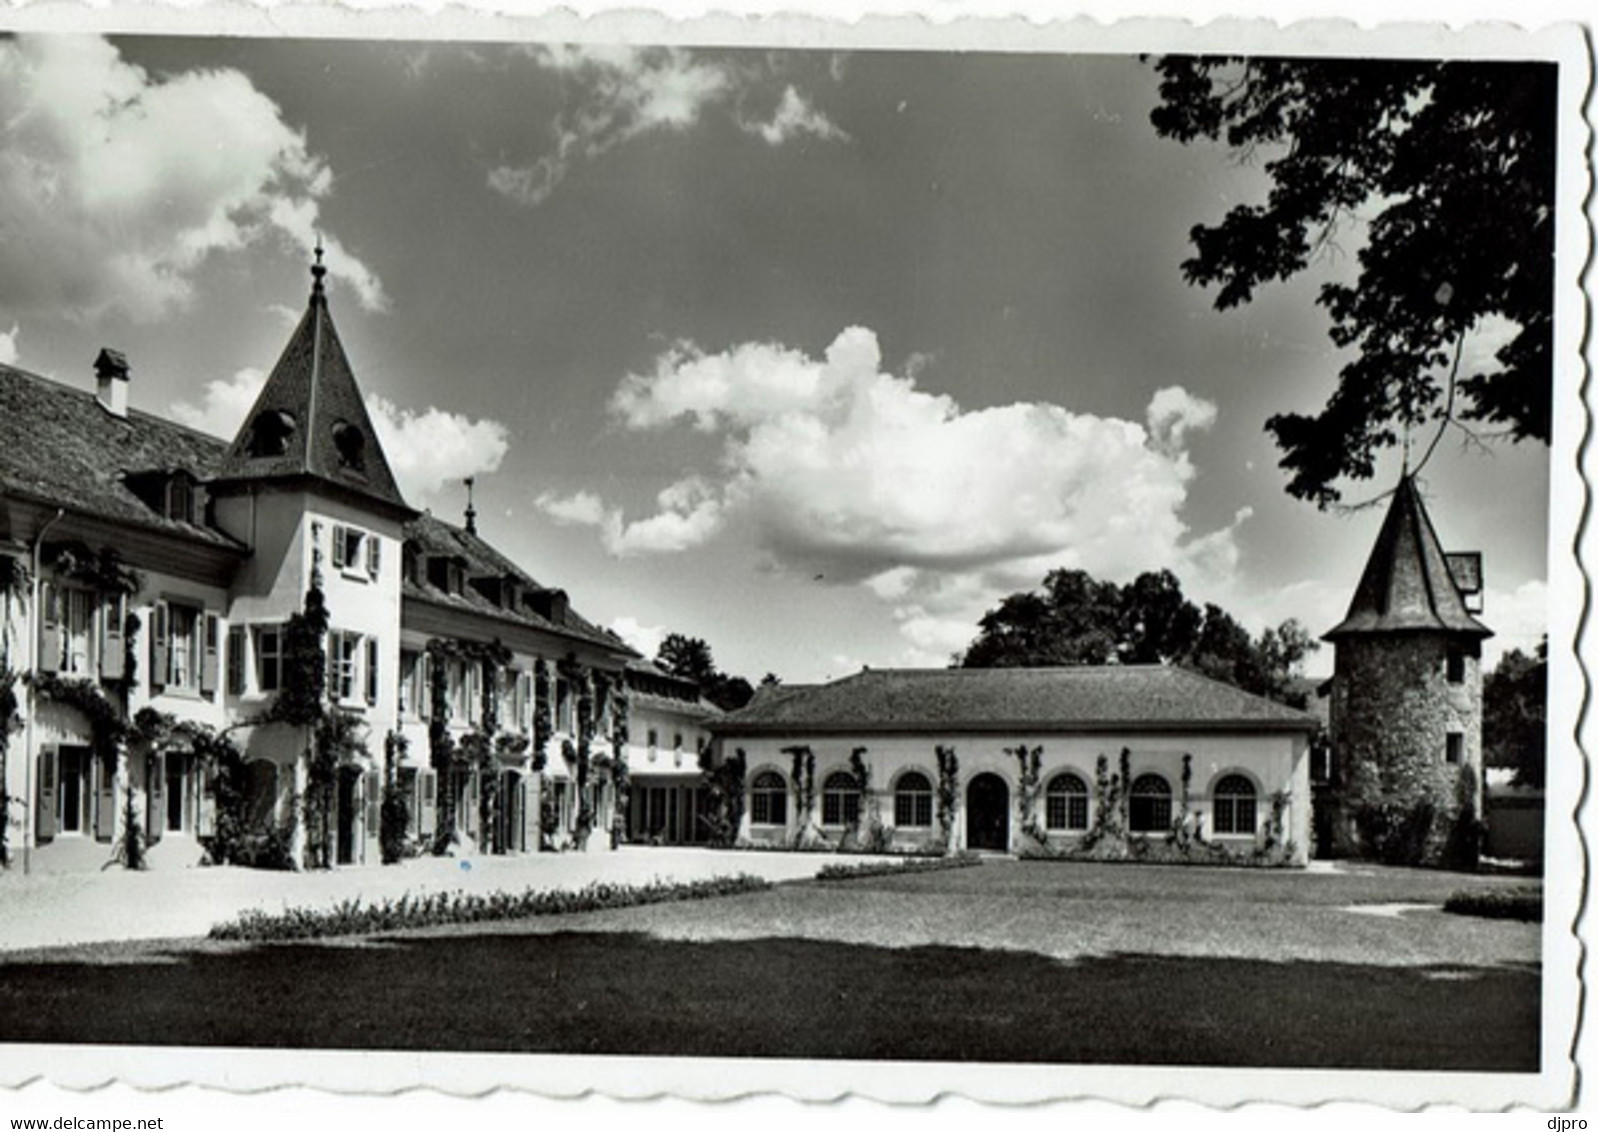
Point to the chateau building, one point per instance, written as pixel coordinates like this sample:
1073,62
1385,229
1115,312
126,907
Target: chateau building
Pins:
262,639
1407,698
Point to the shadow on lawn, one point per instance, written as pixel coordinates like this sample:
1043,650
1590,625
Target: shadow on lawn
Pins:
629,992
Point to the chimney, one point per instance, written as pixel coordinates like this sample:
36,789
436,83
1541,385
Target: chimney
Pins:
111,390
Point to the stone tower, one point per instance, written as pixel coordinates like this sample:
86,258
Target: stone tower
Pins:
1406,699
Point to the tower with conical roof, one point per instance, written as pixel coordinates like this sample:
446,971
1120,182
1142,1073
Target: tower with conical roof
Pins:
306,487
1406,698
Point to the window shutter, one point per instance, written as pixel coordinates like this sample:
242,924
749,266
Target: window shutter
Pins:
155,796
209,667
374,798
44,821
235,660
335,685
49,628
158,646
427,783
113,654
374,557
469,804
105,814
338,548
526,810
371,670
205,820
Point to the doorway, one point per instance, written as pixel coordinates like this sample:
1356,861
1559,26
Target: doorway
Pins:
349,780
987,814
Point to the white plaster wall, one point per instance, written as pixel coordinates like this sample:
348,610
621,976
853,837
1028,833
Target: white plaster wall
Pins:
1273,762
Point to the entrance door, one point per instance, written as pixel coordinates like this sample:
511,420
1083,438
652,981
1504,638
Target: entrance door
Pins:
987,814
348,808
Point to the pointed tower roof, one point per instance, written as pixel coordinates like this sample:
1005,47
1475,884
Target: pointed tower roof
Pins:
309,421
1407,584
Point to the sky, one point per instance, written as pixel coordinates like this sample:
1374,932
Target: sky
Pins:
814,355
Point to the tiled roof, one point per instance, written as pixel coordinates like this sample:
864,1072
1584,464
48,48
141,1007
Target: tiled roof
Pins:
60,446
330,437
692,702
1407,584
1086,698
433,537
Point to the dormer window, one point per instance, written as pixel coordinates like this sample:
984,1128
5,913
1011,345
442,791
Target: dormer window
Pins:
351,445
446,574
270,433
179,498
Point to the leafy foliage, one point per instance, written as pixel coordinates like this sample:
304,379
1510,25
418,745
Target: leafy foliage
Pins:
10,724
394,820
948,794
1515,715
725,784
689,658
1453,164
803,776
1077,620
1518,903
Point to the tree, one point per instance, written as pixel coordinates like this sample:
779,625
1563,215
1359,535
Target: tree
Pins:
1515,715
1454,162
1077,620
689,658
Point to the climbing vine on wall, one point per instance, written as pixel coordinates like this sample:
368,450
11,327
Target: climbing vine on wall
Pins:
807,834
10,724
620,711
394,817
948,793
867,831
543,718
1029,762
725,784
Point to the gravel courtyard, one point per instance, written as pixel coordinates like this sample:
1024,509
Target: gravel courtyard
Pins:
46,910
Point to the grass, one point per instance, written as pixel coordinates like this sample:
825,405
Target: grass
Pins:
1010,962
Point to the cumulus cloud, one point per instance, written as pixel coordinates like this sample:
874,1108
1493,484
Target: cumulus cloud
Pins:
118,184
223,403
618,93
794,116
425,449
1518,618
8,345
431,448
690,513
645,638
836,467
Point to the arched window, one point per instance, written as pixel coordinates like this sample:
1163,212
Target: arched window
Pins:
270,433
912,801
768,799
1066,803
351,445
1151,804
840,799
1236,807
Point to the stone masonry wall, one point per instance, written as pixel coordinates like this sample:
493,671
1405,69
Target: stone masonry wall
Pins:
1398,797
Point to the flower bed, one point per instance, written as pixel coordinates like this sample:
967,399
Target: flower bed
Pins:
894,868
355,917
1520,903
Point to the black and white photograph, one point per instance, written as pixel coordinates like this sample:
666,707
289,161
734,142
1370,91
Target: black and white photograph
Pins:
1016,562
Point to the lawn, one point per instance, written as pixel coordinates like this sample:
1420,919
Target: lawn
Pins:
1031,962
